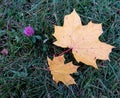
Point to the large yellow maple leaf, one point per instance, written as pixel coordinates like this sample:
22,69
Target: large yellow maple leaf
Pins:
82,39
60,71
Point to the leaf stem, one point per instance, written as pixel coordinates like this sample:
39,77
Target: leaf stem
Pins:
66,51
46,69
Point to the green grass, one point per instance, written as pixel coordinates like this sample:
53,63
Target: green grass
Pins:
21,74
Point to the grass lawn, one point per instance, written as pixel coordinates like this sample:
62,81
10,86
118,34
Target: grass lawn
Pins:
22,73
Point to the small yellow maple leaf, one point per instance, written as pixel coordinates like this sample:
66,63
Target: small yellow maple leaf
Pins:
83,39
60,71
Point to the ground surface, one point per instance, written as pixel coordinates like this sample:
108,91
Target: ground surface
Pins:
22,73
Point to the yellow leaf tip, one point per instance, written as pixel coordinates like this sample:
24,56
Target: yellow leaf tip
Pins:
96,67
74,10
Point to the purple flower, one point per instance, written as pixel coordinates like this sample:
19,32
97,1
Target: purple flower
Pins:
28,31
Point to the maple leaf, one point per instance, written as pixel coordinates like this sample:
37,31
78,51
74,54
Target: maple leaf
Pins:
82,39
60,71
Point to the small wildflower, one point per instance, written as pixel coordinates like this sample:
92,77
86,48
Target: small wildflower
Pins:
28,31
4,52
